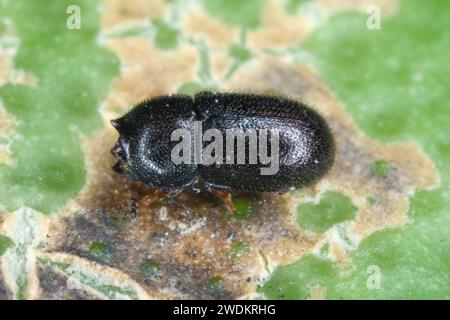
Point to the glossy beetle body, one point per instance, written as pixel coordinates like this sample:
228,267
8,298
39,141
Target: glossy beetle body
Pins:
305,149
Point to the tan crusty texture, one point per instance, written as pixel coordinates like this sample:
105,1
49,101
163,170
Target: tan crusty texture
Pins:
93,250
191,239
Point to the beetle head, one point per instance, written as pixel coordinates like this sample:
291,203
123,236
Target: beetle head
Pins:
144,148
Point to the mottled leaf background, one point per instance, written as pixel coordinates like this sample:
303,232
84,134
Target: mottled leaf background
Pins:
383,211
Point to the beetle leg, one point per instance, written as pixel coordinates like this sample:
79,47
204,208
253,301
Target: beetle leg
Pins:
133,195
226,198
171,194
133,209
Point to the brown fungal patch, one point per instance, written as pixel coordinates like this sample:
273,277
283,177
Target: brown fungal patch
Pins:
185,249
380,194
338,253
147,71
197,23
221,63
9,74
189,243
317,292
7,126
278,29
117,13
7,122
9,43
5,155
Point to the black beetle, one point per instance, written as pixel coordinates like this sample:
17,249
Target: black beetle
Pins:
146,145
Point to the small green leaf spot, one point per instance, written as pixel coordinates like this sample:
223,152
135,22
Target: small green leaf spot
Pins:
215,284
238,248
112,292
148,268
380,168
371,200
325,249
101,252
5,243
243,209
